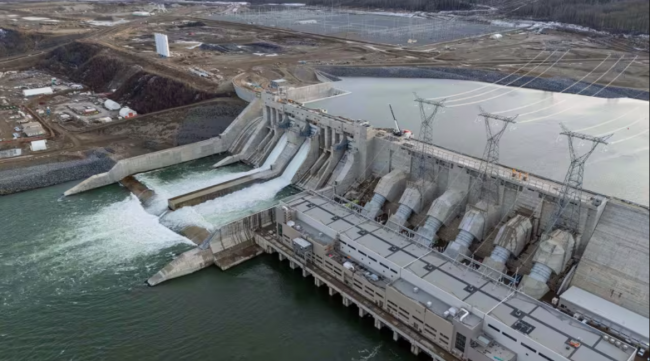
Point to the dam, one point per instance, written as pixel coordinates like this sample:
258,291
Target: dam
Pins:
456,274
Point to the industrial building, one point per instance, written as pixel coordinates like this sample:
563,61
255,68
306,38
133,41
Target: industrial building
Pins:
457,307
411,255
33,129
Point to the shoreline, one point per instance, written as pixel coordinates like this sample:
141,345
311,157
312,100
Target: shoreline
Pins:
51,174
487,76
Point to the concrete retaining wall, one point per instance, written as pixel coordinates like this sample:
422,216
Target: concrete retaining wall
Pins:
168,157
311,92
244,94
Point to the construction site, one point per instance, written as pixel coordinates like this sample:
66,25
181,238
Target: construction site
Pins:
460,255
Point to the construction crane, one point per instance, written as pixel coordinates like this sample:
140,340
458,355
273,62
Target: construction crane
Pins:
397,131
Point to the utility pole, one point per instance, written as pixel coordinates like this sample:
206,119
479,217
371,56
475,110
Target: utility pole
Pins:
489,190
425,137
563,217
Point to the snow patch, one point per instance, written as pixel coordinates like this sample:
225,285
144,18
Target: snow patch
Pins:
106,23
37,18
541,25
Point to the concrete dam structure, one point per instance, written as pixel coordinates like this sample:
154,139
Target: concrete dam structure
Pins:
470,263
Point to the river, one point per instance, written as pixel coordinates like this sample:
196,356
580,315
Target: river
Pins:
621,169
72,270
72,274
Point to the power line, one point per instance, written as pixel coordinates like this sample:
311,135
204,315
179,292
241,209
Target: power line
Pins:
513,90
562,92
495,83
512,82
570,108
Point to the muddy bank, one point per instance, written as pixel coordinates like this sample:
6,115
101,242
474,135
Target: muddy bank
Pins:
546,84
104,70
45,175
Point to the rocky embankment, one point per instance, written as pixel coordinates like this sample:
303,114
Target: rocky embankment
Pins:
546,84
45,175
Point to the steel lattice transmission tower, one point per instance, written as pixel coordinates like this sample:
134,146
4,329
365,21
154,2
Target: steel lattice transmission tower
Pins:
489,190
426,135
572,187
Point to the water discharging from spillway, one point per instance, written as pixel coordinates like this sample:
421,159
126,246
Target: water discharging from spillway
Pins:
193,181
219,212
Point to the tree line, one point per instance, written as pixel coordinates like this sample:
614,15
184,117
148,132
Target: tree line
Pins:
618,16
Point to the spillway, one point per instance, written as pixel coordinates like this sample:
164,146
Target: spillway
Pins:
192,181
220,211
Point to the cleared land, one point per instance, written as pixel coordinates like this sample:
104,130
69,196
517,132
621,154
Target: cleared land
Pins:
111,51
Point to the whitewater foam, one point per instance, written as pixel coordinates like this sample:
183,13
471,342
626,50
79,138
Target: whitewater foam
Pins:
85,248
220,211
193,181
117,233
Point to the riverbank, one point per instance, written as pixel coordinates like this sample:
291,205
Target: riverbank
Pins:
45,175
555,84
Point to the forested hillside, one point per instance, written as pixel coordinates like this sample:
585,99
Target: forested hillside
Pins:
619,16
610,15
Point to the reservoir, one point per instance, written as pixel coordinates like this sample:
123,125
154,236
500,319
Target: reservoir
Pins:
533,144
72,270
